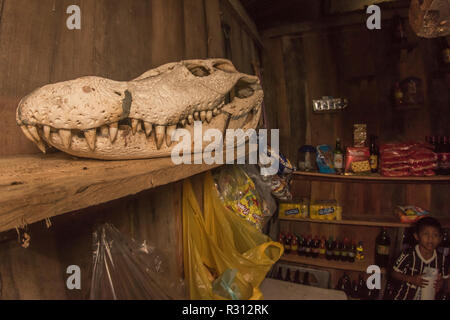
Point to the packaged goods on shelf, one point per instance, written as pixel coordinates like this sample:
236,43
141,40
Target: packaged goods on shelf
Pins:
357,160
324,159
410,214
325,210
407,159
294,210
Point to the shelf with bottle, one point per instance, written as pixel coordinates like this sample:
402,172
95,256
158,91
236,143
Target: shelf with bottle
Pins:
366,220
369,178
331,253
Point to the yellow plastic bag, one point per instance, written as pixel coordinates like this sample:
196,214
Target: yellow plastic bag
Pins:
219,240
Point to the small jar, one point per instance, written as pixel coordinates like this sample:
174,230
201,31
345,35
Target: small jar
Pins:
307,158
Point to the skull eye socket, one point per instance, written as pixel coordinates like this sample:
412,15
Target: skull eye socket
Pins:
225,67
198,70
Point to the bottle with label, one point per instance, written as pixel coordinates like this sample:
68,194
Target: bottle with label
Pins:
287,244
362,287
352,252
316,247
444,247
344,250
337,251
322,249
308,247
329,249
301,246
344,284
374,155
294,244
355,291
338,157
382,248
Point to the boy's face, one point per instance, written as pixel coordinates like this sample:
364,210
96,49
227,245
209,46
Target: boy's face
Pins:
429,238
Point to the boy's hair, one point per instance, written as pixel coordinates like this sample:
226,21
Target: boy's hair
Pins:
427,222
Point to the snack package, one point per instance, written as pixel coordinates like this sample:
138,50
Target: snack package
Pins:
294,210
410,214
239,194
359,135
324,159
357,160
325,210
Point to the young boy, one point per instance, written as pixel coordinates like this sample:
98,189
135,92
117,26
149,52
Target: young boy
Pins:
408,268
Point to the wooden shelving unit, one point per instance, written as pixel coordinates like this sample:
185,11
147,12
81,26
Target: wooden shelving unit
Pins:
376,178
36,187
366,220
360,266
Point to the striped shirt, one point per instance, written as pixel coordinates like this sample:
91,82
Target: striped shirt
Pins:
411,262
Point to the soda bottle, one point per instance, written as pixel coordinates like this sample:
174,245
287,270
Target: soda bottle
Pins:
362,288
352,252
329,249
294,244
308,248
337,251
382,248
322,249
344,284
355,291
344,250
287,244
316,247
281,238
444,157
301,246
360,251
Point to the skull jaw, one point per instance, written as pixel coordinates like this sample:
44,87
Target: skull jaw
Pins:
128,146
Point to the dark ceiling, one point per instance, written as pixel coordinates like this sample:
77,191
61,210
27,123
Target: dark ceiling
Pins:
270,13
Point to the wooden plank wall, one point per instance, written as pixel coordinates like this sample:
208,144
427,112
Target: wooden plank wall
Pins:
119,40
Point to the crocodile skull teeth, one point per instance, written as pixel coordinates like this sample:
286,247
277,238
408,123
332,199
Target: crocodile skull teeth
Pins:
100,118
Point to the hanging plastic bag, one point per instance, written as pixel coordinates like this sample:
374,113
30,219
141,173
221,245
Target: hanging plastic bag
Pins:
219,240
126,270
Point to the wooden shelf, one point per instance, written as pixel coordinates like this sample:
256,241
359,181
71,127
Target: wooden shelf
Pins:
321,262
367,220
376,178
38,186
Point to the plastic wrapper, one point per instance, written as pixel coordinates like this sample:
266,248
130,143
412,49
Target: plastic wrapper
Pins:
357,160
294,210
217,240
359,135
324,159
264,188
225,285
325,210
126,270
239,194
410,214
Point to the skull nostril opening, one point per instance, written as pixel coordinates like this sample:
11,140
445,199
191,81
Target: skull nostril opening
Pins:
198,70
244,89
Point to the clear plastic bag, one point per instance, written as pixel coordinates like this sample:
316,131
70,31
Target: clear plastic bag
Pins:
126,270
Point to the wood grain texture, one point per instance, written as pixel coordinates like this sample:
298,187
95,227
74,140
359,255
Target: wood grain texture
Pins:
195,31
35,187
216,48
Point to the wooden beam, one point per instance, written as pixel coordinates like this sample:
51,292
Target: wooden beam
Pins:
35,187
330,22
245,19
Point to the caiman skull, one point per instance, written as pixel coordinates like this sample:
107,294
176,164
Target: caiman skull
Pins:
100,118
